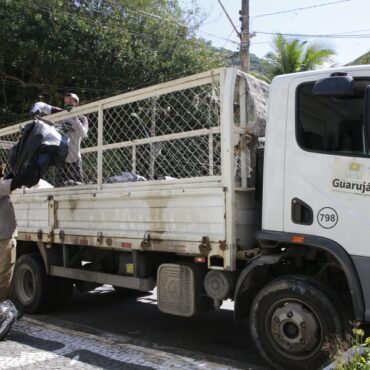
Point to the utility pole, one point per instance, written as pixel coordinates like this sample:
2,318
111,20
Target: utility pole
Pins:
245,37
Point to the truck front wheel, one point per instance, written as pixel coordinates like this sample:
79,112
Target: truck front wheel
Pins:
33,290
290,320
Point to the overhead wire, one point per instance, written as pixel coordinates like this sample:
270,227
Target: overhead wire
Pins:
158,17
229,18
341,35
143,84
300,35
106,91
134,33
299,9
229,39
180,24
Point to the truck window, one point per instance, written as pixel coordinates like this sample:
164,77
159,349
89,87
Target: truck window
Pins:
331,124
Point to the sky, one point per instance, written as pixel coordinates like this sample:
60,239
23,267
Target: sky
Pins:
348,17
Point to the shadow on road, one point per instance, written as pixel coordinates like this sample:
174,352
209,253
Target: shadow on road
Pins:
213,336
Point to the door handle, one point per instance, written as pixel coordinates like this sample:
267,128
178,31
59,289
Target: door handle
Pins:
301,212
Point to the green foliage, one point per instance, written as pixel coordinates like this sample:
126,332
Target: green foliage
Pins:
260,67
358,346
95,48
295,56
363,59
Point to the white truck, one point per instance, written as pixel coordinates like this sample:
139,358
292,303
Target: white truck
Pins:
293,257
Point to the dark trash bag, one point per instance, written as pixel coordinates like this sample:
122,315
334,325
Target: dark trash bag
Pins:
40,146
124,177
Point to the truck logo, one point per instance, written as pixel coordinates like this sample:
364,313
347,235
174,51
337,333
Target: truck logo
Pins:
351,177
362,187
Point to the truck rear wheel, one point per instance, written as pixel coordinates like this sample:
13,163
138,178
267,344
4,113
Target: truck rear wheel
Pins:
33,289
290,320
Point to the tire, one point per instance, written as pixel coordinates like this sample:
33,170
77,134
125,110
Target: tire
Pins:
33,290
290,320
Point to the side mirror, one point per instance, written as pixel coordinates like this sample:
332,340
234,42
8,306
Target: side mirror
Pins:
367,117
335,86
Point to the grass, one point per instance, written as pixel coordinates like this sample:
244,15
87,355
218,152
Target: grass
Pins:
352,353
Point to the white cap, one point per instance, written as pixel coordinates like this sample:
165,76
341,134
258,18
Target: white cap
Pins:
73,96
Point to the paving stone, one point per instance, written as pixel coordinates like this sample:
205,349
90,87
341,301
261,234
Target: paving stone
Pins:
32,345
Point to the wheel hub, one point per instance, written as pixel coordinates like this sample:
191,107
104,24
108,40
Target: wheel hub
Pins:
295,327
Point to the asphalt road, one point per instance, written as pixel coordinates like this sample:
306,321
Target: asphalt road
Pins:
211,337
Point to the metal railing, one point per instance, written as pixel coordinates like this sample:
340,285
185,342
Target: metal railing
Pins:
168,131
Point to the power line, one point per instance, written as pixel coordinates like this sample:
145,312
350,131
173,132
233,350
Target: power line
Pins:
229,18
228,39
173,76
57,87
158,17
329,36
211,21
185,25
168,77
134,33
220,38
344,33
60,87
147,14
298,9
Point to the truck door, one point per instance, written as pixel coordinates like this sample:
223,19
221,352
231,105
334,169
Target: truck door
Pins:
327,165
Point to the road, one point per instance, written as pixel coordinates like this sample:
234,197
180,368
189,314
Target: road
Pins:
211,339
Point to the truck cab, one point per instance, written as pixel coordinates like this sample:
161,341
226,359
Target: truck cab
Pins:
315,212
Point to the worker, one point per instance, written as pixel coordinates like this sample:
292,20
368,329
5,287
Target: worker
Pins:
75,129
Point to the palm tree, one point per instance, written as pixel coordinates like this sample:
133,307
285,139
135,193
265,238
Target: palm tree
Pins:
291,56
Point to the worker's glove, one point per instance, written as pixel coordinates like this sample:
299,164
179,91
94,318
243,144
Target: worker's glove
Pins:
41,107
29,177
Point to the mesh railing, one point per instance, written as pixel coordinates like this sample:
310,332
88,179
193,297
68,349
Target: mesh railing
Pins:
175,135
171,131
7,141
162,137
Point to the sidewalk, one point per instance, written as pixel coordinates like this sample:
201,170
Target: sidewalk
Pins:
36,345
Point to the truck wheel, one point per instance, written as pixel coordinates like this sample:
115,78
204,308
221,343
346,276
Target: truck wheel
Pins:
290,320
33,289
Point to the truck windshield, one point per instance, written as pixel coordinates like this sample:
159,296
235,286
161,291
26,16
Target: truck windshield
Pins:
331,124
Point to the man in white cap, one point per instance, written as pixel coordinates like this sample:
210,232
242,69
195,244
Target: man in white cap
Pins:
75,128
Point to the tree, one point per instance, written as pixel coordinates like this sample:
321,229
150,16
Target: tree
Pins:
96,48
291,56
363,59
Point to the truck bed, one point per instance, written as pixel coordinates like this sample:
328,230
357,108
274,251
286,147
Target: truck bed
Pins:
192,131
